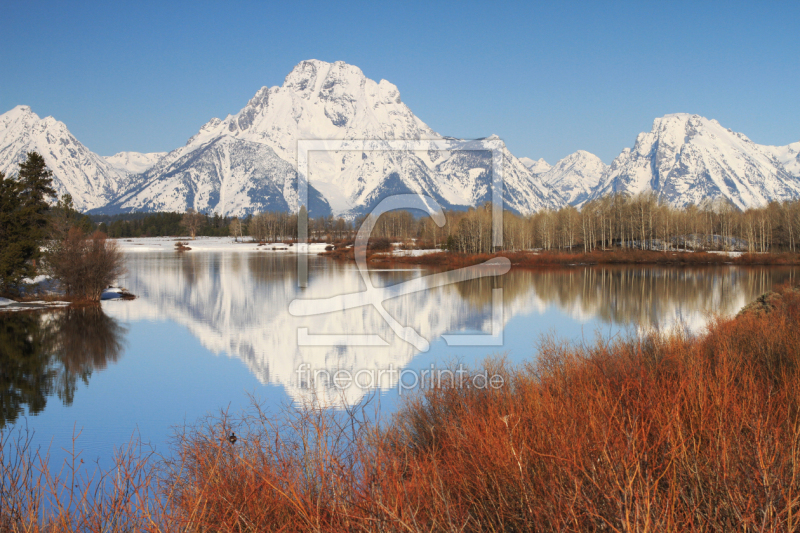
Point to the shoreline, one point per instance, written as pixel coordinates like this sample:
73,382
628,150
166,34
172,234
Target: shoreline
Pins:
51,302
451,260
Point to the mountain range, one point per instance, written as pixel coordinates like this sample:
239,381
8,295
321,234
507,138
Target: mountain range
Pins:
247,162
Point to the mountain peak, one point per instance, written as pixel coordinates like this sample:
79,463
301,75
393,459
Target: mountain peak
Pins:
22,109
17,114
314,76
687,159
244,162
89,178
576,176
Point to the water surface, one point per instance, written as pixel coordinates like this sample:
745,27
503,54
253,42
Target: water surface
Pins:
209,328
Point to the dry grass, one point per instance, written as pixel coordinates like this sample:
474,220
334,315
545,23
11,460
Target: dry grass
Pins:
661,433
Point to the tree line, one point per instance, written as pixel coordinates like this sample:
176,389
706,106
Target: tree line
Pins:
617,221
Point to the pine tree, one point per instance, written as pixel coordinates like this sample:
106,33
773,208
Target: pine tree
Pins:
36,181
23,220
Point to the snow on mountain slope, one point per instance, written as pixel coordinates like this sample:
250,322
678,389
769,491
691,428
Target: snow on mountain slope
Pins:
134,162
688,159
576,176
227,175
89,178
470,173
789,156
537,167
335,101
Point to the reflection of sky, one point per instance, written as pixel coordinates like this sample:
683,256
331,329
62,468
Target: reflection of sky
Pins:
164,378
207,330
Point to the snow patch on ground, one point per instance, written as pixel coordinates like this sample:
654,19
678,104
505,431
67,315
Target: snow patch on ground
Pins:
730,254
35,281
213,244
415,253
11,306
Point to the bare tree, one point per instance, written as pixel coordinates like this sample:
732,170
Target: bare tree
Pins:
85,265
235,228
192,221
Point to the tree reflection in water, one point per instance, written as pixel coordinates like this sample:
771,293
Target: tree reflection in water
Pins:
45,354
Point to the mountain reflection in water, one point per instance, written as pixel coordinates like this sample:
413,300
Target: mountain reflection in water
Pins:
237,304
45,354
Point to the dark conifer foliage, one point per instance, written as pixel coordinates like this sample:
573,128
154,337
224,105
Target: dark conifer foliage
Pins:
23,220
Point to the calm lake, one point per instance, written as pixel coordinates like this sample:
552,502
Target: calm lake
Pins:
209,328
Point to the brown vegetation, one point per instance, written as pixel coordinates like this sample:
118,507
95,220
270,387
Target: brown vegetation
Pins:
616,256
192,221
665,432
85,265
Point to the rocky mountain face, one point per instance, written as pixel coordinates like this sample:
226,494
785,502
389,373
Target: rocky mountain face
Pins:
91,180
688,159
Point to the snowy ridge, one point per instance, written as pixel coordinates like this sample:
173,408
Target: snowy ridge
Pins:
537,167
576,176
788,156
134,162
89,178
688,159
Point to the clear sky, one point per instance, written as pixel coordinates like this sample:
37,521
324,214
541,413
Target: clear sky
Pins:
548,78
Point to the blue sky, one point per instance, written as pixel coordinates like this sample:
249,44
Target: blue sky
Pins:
547,78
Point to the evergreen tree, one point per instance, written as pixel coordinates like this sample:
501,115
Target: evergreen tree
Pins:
23,220
12,251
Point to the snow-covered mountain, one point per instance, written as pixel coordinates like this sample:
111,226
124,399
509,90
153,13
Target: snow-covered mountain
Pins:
324,101
689,159
537,167
576,176
134,162
91,180
247,162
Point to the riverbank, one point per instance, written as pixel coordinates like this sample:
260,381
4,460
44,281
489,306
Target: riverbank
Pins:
214,244
452,260
664,432
50,301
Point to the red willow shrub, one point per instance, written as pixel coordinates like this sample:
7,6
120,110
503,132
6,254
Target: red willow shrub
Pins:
667,432
85,264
